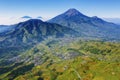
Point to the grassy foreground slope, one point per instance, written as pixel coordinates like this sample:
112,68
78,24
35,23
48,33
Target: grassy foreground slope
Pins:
78,60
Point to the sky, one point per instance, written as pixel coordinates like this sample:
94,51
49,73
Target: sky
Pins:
12,10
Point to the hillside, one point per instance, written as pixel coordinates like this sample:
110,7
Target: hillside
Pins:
29,33
92,27
5,28
71,46
80,60
33,31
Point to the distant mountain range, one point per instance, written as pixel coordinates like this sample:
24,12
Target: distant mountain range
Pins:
5,28
89,26
69,44
28,17
70,23
114,20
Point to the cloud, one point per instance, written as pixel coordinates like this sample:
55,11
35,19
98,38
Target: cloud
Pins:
39,17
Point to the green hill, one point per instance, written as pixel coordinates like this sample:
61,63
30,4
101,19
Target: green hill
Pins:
76,60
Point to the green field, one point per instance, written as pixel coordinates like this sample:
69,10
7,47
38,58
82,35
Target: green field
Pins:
77,60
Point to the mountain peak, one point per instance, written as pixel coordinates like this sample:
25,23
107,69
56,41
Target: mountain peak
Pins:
95,18
72,12
73,9
27,17
34,20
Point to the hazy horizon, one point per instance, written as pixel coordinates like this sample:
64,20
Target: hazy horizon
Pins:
13,10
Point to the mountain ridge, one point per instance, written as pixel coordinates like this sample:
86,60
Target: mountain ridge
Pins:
89,26
71,47
35,28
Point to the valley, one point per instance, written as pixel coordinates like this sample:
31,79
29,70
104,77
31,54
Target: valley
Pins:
70,46
53,61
